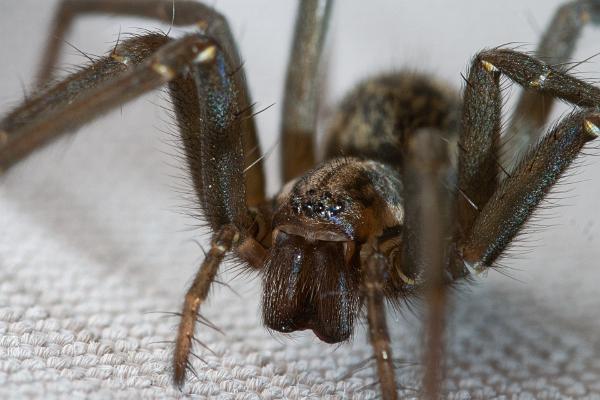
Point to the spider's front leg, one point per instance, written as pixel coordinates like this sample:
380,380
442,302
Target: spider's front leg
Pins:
429,204
516,199
16,143
206,96
216,157
428,216
179,13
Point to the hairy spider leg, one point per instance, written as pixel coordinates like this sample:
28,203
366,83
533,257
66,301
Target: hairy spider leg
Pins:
409,121
221,194
177,13
502,216
428,179
374,276
478,163
299,115
556,48
121,76
222,242
490,215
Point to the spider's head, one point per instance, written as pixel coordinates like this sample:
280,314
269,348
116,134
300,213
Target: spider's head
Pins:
312,276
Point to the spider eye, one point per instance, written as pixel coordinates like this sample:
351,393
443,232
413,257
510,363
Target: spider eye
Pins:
323,206
336,209
320,209
307,208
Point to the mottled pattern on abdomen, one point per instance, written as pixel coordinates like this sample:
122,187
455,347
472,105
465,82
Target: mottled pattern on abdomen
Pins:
375,117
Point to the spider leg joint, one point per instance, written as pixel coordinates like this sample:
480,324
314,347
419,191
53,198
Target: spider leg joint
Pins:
474,267
585,17
590,128
164,70
384,355
489,67
206,55
120,59
202,25
539,82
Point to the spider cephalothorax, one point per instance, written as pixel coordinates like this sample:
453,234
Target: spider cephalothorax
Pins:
313,274
412,193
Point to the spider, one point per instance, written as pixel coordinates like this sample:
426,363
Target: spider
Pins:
303,224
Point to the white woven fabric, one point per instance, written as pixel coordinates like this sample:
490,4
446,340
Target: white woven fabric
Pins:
92,240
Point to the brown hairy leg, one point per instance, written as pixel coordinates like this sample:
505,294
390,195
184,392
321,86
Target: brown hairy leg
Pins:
299,115
218,138
429,207
222,242
556,48
374,276
177,13
94,90
511,205
478,147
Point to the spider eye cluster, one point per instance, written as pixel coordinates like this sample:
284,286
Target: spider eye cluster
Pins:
314,205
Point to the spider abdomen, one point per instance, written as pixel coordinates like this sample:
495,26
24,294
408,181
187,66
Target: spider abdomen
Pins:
373,119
